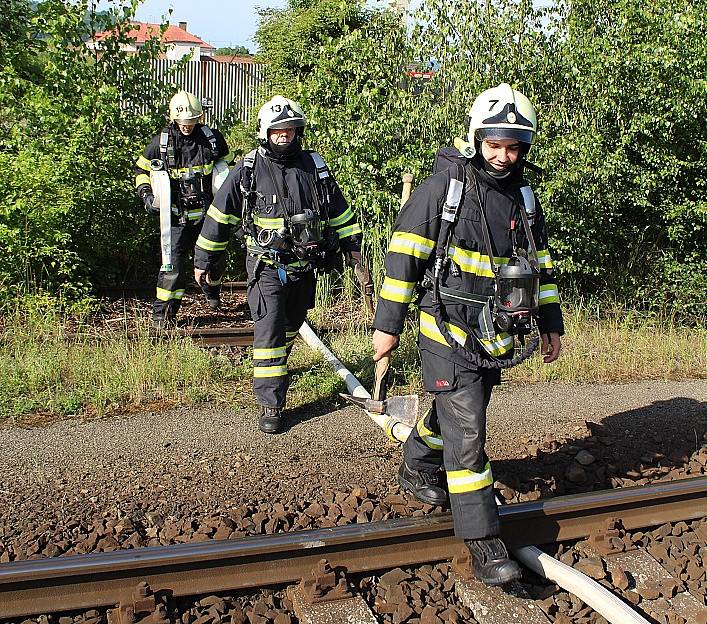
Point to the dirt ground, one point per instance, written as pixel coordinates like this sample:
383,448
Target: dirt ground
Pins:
217,454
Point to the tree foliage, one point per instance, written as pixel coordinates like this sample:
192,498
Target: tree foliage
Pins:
620,91
68,214
238,50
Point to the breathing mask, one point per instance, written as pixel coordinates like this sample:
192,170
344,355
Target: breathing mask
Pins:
515,300
306,231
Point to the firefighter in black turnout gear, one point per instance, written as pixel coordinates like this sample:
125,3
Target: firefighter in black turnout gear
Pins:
196,159
471,243
286,206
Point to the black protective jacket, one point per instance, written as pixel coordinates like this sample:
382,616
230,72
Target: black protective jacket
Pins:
412,253
195,151
280,188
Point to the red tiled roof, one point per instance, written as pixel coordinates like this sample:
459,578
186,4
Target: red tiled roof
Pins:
142,31
229,58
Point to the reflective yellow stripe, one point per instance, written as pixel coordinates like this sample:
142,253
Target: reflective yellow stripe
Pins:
460,481
142,179
143,163
342,218
548,294
269,223
428,327
411,245
194,215
349,230
269,354
501,344
203,169
544,259
208,245
221,217
428,437
397,290
473,261
260,372
229,157
166,295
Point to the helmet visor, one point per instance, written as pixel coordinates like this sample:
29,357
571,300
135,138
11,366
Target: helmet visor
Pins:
286,123
524,136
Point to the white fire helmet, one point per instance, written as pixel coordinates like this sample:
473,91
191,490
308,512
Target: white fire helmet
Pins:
184,107
501,113
279,112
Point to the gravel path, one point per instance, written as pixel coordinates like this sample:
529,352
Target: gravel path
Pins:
217,456
195,474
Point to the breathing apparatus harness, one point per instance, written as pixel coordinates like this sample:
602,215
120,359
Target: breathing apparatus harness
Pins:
191,196
513,307
304,237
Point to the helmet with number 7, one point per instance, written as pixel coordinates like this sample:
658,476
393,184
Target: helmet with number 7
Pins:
277,113
502,113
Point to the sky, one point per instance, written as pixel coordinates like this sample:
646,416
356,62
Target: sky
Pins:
221,23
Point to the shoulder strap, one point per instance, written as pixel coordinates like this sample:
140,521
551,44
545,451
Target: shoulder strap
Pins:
320,165
208,133
528,202
167,150
247,176
450,214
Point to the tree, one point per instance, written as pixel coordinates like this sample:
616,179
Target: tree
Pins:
627,150
68,216
238,50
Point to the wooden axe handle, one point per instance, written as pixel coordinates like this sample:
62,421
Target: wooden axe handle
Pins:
408,179
380,387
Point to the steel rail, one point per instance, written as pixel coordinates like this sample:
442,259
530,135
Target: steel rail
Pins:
103,579
208,336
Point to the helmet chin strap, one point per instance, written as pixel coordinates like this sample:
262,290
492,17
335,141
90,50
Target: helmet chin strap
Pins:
495,173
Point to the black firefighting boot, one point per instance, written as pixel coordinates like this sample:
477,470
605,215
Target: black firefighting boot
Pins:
424,486
270,420
490,561
214,302
163,324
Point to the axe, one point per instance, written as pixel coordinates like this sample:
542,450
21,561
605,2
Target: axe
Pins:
401,408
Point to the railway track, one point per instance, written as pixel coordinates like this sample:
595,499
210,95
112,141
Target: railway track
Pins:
130,579
132,291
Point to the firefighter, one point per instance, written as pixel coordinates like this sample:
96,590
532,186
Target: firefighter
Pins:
190,152
284,203
472,242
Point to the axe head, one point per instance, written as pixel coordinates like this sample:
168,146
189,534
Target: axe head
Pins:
401,408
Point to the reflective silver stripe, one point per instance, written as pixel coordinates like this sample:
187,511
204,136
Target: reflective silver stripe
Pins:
322,169
454,196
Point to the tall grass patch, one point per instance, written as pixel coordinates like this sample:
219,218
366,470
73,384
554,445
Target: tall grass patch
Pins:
44,370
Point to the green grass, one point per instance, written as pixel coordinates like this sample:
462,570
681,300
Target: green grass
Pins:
43,373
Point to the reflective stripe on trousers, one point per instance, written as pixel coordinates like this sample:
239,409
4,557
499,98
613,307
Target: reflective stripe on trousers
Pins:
453,434
278,311
171,285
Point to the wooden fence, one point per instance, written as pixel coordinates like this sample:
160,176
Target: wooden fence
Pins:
225,88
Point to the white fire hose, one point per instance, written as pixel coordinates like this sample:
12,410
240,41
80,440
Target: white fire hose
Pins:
392,426
589,591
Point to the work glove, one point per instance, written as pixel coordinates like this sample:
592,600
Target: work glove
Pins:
363,275
149,200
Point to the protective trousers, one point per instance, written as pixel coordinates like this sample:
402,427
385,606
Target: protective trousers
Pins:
171,284
278,311
453,433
